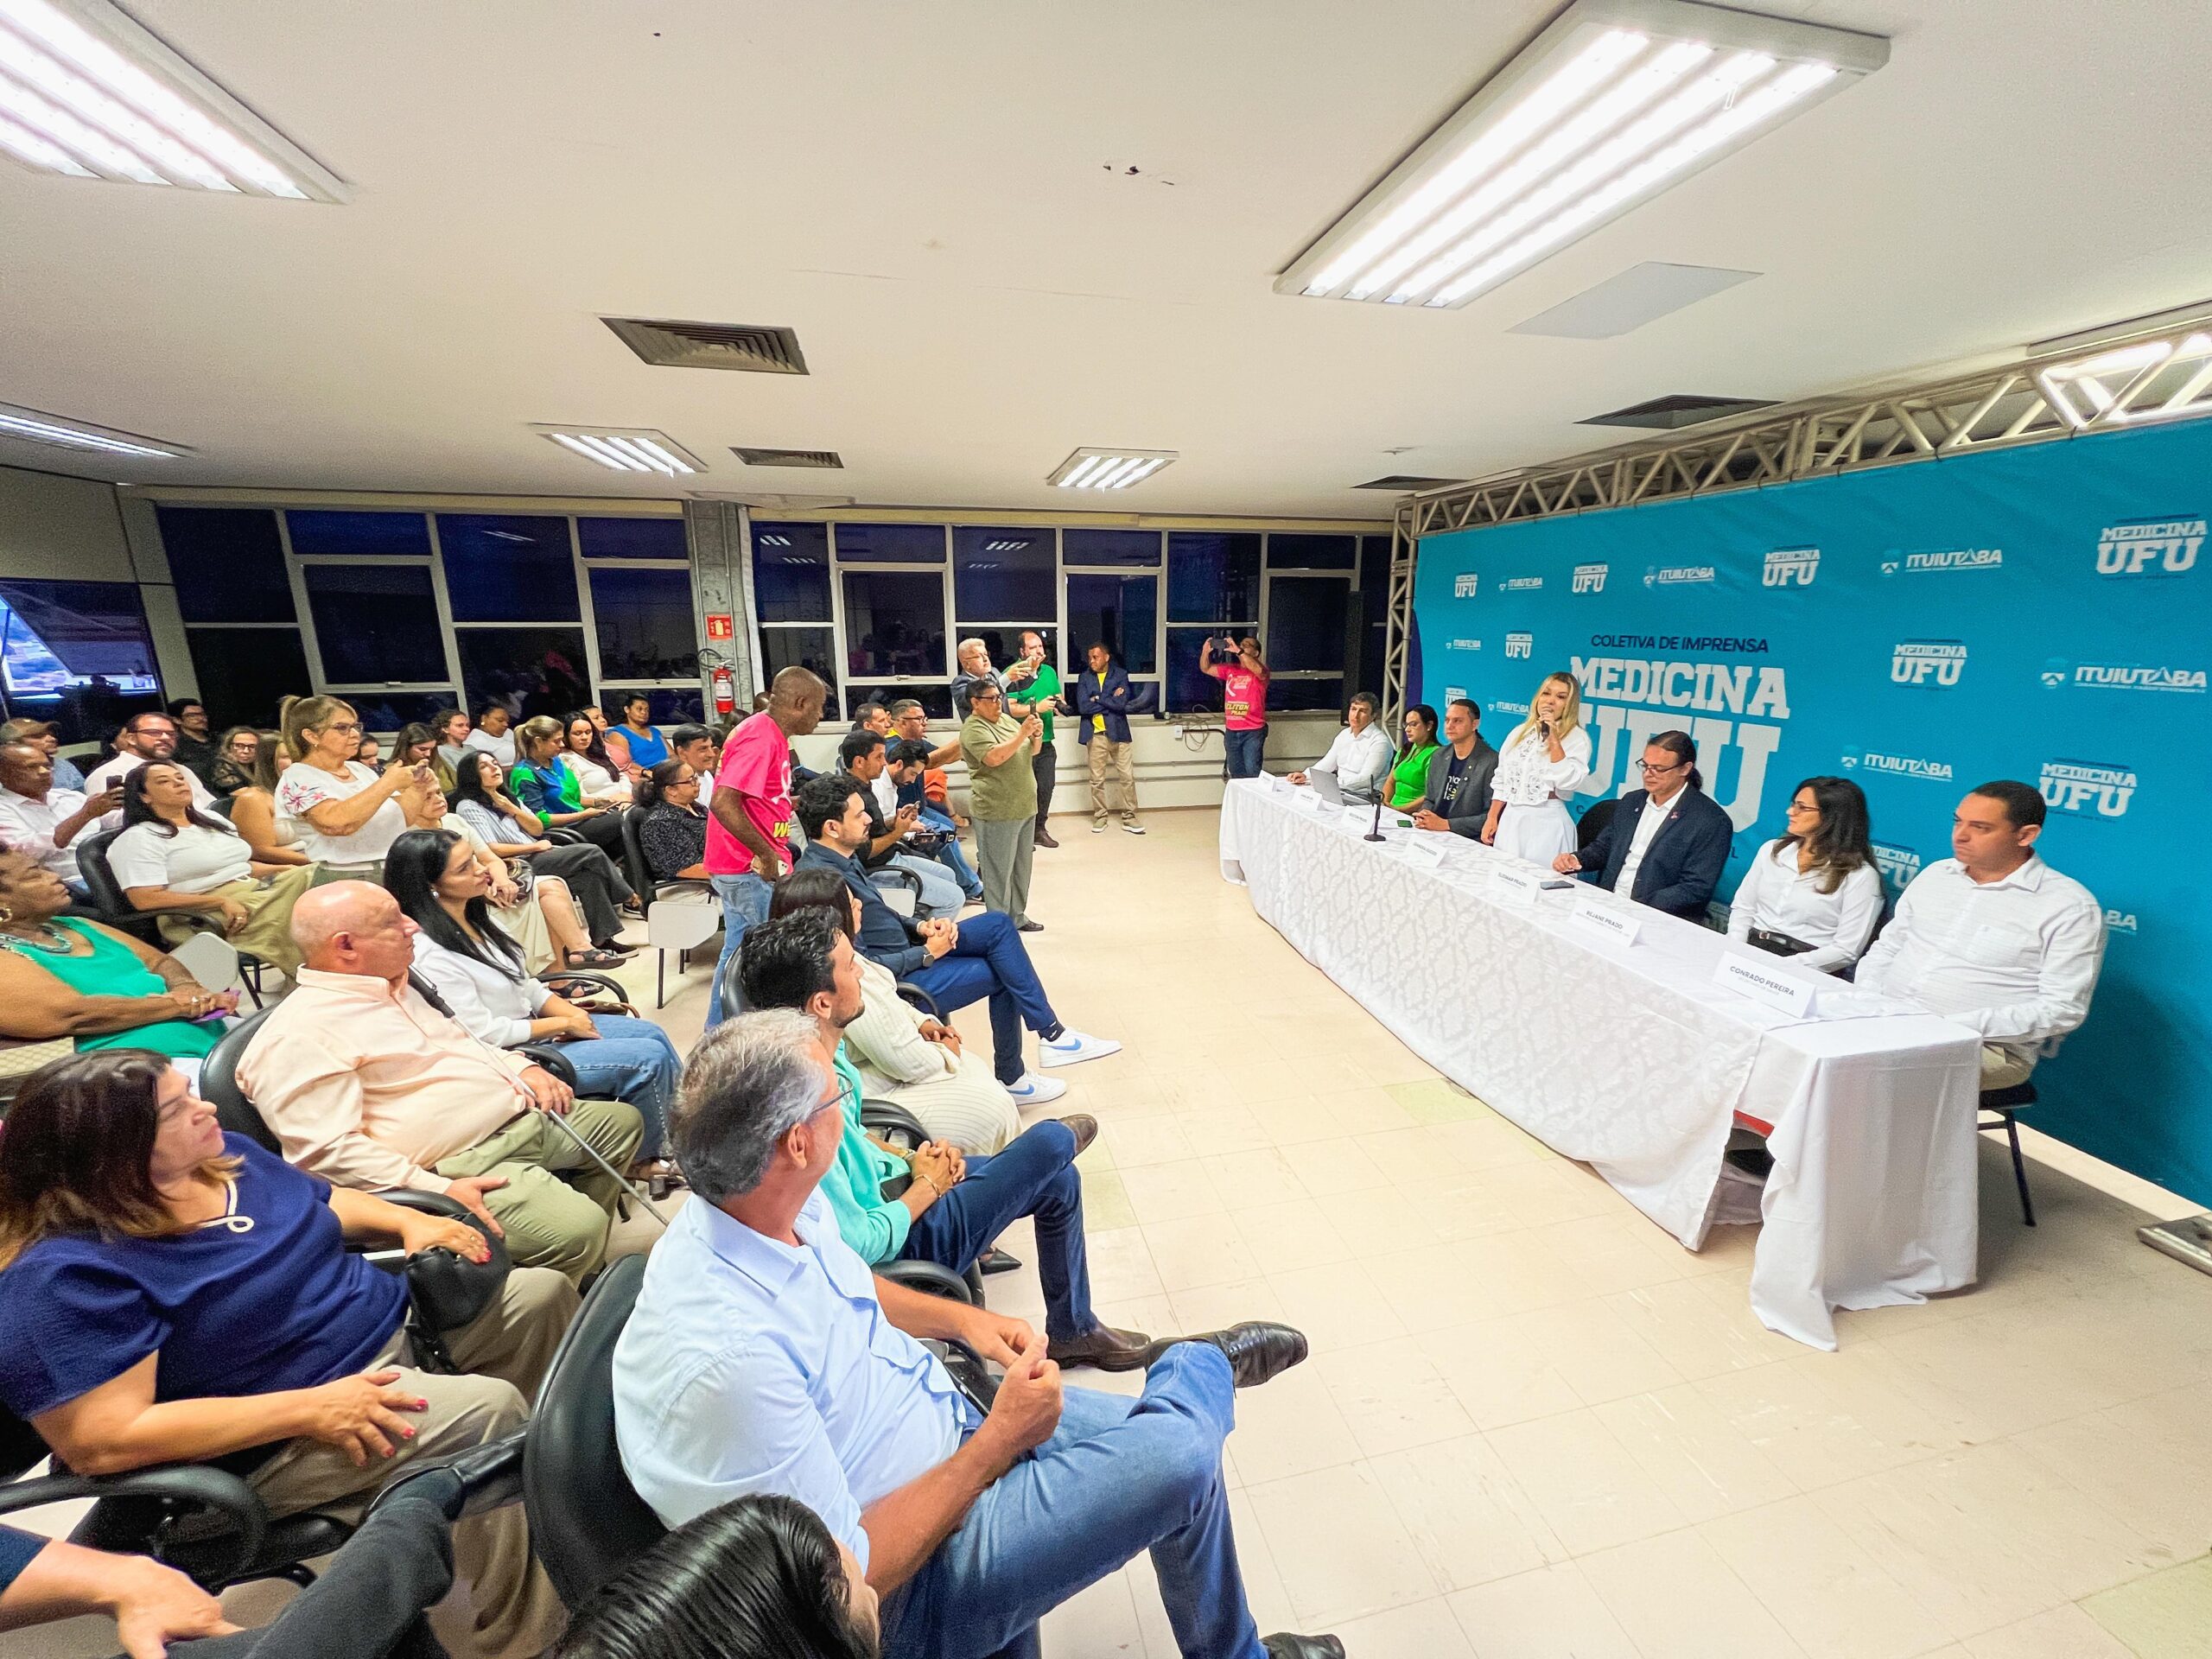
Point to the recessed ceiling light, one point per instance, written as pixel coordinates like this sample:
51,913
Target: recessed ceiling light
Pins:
1108,469
1613,103
33,426
1003,545
88,92
621,449
775,541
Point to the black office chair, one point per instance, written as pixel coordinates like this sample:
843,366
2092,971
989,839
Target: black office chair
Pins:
1595,817
115,909
2002,1107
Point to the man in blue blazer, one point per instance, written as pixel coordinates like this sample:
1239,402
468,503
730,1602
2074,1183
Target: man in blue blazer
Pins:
1668,842
1104,700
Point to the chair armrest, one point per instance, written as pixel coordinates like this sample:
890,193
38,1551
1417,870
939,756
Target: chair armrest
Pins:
613,988
551,1059
561,837
928,1277
469,1482
907,878
910,992
194,1488
887,1120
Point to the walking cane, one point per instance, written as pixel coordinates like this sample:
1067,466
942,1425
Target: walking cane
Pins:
635,1188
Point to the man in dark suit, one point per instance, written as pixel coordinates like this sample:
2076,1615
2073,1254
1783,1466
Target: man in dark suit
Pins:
1458,775
1104,700
1668,842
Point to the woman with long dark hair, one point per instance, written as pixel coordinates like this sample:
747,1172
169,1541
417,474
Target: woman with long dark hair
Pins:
759,1578
175,1294
599,888
479,970
583,752
549,791
1813,893
1410,773
193,872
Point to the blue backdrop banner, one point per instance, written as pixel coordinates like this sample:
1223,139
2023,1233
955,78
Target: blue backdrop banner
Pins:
2039,613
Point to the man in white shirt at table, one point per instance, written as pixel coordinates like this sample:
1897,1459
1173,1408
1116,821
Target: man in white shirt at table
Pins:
1994,938
1359,757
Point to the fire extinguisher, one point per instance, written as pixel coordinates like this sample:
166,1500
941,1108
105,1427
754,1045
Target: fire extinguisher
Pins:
725,685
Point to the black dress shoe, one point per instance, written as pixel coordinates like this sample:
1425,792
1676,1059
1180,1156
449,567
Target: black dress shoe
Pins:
1044,840
1287,1645
1107,1348
1257,1349
996,1261
1030,927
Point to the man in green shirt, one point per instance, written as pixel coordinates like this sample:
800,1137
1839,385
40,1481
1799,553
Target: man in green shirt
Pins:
1032,681
1002,798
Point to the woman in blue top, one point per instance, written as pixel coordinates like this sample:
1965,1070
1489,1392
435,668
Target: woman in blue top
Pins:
173,1295
642,740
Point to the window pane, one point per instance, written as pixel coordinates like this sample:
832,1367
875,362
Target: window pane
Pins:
644,623
1122,611
1302,552
631,538
791,572
1305,623
673,705
1110,547
377,624
76,653
999,576
783,648
1004,644
532,670
1306,694
891,544
936,700
894,622
1212,577
387,711
360,535
508,570
243,673
227,563
1187,688
1375,562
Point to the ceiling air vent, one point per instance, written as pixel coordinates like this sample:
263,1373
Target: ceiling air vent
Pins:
751,348
1681,409
829,459
1405,481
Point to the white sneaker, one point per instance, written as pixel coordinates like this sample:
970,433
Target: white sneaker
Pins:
1133,826
1073,1048
1033,1090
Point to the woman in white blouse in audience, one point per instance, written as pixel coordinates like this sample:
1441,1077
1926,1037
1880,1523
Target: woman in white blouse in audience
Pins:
1539,765
537,912
1814,894
903,1055
584,753
191,870
349,815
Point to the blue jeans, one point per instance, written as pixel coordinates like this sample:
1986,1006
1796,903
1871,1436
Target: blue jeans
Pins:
631,1060
1118,1476
950,856
1033,1174
744,901
1245,752
991,961
940,896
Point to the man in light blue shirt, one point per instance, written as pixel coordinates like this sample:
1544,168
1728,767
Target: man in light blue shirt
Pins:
763,1357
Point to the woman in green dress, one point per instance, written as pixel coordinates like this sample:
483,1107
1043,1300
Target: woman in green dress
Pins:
66,976
1409,777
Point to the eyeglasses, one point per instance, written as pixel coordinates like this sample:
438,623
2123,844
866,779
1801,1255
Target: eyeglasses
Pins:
1648,769
353,725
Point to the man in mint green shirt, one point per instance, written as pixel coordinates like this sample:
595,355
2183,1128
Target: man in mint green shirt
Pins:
1032,681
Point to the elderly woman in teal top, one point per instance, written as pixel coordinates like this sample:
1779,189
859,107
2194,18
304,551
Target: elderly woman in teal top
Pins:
66,976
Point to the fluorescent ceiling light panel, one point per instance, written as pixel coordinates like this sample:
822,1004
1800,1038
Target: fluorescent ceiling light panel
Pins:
2156,380
34,426
1614,102
1108,469
622,449
87,92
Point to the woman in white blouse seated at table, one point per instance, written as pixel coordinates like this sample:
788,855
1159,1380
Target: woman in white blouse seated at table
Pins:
1813,894
349,815
191,870
1539,765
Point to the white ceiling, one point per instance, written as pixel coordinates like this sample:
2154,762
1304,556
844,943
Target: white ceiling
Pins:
933,196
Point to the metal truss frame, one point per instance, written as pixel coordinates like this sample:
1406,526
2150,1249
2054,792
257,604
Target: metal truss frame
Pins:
2129,377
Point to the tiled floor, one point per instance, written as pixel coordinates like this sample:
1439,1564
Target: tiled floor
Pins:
1533,1427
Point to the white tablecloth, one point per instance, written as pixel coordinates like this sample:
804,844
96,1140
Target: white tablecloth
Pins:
1632,1059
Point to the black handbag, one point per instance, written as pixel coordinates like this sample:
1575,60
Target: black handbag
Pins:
446,1291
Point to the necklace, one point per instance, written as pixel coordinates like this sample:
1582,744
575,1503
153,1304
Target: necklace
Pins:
58,943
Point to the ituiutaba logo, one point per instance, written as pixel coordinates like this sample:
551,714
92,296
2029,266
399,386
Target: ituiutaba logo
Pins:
1670,575
1943,561
1520,645
1519,584
1732,712
1464,645
1898,865
2121,676
2154,547
1590,578
1928,662
1791,567
1467,586
2089,789
1901,766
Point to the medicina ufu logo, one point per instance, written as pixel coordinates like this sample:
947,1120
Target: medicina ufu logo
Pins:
1789,567
2150,547
1590,578
2089,789
1467,586
1928,662
1520,645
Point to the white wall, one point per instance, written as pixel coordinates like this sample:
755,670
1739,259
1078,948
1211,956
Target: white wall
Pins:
66,529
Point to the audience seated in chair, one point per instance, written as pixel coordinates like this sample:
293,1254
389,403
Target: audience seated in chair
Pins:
584,752
348,813
178,1294
478,973
956,962
48,736
549,791
45,821
67,977
507,831
368,1085
906,764
537,912
763,1357
193,872
864,761
904,1056
148,736
671,824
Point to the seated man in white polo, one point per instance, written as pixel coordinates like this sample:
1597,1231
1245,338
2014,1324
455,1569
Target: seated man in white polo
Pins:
1993,937
1359,756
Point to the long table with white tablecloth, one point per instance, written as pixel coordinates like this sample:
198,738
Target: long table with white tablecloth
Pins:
1630,1058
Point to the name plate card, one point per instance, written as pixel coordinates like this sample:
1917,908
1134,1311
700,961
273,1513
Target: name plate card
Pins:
1512,882
1752,976
1615,924
1428,848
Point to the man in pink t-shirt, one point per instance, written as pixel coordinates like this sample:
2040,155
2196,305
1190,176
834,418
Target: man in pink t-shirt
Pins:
1243,678
749,816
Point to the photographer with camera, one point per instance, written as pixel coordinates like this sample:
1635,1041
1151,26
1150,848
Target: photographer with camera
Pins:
1244,676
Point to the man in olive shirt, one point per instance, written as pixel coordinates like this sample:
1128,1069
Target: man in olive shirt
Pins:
1030,679
1002,798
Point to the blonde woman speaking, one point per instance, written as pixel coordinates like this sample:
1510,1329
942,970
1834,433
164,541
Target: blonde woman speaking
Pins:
1542,762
